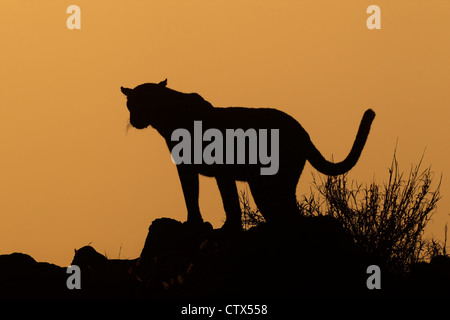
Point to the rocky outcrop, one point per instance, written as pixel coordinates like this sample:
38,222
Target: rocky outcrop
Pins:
311,259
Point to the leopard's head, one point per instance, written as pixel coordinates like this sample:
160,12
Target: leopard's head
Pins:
147,103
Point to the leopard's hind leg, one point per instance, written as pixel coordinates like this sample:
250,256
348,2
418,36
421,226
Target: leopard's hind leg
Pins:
275,199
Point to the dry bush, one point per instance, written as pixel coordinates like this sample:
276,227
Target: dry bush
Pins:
250,215
386,221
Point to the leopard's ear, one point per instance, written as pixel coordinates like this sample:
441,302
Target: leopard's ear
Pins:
163,83
126,91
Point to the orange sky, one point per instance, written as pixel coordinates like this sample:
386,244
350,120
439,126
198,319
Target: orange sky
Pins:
71,175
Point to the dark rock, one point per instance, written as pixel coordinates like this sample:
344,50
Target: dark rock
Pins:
311,258
430,280
22,277
105,278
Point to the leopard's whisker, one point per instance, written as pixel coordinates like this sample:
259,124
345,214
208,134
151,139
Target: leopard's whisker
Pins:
127,127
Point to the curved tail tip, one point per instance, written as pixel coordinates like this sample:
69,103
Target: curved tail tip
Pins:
369,115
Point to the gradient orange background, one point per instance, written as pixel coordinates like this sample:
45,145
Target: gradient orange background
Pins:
70,174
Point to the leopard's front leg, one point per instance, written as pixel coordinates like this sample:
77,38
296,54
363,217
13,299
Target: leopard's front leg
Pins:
190,184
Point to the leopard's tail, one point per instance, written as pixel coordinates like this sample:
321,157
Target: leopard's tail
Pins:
333,169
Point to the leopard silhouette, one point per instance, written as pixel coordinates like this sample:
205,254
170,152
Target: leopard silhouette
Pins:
164,109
